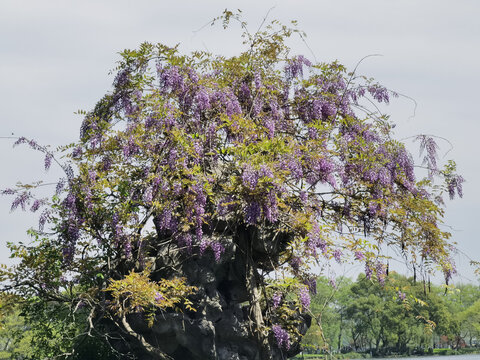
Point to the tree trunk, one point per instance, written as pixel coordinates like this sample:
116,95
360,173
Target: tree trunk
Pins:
257,324
340,334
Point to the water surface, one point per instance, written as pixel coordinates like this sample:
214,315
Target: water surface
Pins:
441,357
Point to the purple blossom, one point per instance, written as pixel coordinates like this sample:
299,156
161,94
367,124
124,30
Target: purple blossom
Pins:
294,165
277,299
370,175
316,241
9,192
304,297
405,162
295,263
270,207
21,200
281,336
430,147
217,248
295,67
127,249
303,196
158,297
455,184
36,205
250,177
379,93
321,169
165,220
32,143
381,272
328,110
368,271
150,122
373,208
202,100
148,195
384,177
199,208
332,282
171,78
449,270
122,78
258,80
73,230
203,246
359,255
48,160
311,282
244,92
225,206
68,253
252,212
60,185
106,163
43,219
117,229
257,106
337,255
185,240
198,147
130,148
265,172
401,295
270,126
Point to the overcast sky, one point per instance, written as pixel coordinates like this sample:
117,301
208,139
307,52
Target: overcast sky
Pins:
55,57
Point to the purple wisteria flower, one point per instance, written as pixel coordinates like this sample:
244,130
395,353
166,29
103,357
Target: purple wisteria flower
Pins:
379,93
258,80
359,255
311,282
368,271
337,255
455,185
270,208
295,67
295,263
277,299
48,160
304,297
252,213
316,241
36,205
381,272
158,297
217,248
250,177
202,100
185,240
281,336
21,200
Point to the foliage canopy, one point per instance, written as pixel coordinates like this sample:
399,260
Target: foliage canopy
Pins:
263,160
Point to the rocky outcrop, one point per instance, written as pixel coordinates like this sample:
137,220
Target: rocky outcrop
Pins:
221,327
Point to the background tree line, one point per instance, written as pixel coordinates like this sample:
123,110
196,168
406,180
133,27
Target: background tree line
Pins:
402,316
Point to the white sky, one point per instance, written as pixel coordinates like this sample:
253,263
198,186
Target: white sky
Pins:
55,57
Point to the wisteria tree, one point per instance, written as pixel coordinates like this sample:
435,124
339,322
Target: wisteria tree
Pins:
206,193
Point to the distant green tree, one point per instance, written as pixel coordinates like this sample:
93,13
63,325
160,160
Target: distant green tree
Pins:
469,320
327,309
